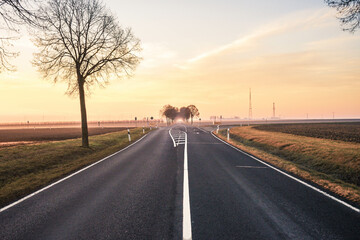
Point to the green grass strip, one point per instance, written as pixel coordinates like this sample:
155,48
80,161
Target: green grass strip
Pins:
27,168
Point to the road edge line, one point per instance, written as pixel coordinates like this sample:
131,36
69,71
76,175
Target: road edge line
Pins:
290,176
67,177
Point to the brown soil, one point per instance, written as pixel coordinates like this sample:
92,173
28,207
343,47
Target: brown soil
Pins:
348,132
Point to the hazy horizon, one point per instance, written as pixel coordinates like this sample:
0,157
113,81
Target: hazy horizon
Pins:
209,53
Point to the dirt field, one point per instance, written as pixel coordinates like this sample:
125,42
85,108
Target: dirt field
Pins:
348,132
47,134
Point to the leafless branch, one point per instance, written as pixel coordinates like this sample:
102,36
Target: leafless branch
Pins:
349,13
13,13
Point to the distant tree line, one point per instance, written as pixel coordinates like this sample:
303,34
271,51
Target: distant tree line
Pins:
185,113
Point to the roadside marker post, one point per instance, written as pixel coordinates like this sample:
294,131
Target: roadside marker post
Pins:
129,135
228,134
217,129
143,130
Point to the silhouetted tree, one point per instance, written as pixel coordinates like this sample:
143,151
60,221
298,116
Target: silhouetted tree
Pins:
164,112
173,114
184,113
169,112
349,13
81,43
194,112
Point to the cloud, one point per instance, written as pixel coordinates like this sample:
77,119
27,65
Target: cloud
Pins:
233,45
303,19
156,54
333,42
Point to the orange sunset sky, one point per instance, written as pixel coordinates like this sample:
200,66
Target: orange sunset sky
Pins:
209,53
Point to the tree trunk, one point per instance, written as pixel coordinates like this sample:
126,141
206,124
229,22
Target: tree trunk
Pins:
84,126
191,120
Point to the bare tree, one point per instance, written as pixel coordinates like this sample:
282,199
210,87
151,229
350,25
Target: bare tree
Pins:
349,13
194,112
81,43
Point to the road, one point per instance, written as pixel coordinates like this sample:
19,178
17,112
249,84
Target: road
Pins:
139,194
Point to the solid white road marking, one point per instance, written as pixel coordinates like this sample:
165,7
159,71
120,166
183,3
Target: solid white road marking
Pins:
182,139
65,178
292,177
186,198
250,167
172,137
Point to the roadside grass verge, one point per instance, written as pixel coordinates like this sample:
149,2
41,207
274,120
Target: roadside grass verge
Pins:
333,165
27,168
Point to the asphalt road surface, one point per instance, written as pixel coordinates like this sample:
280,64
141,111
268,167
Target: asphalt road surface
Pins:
139,194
